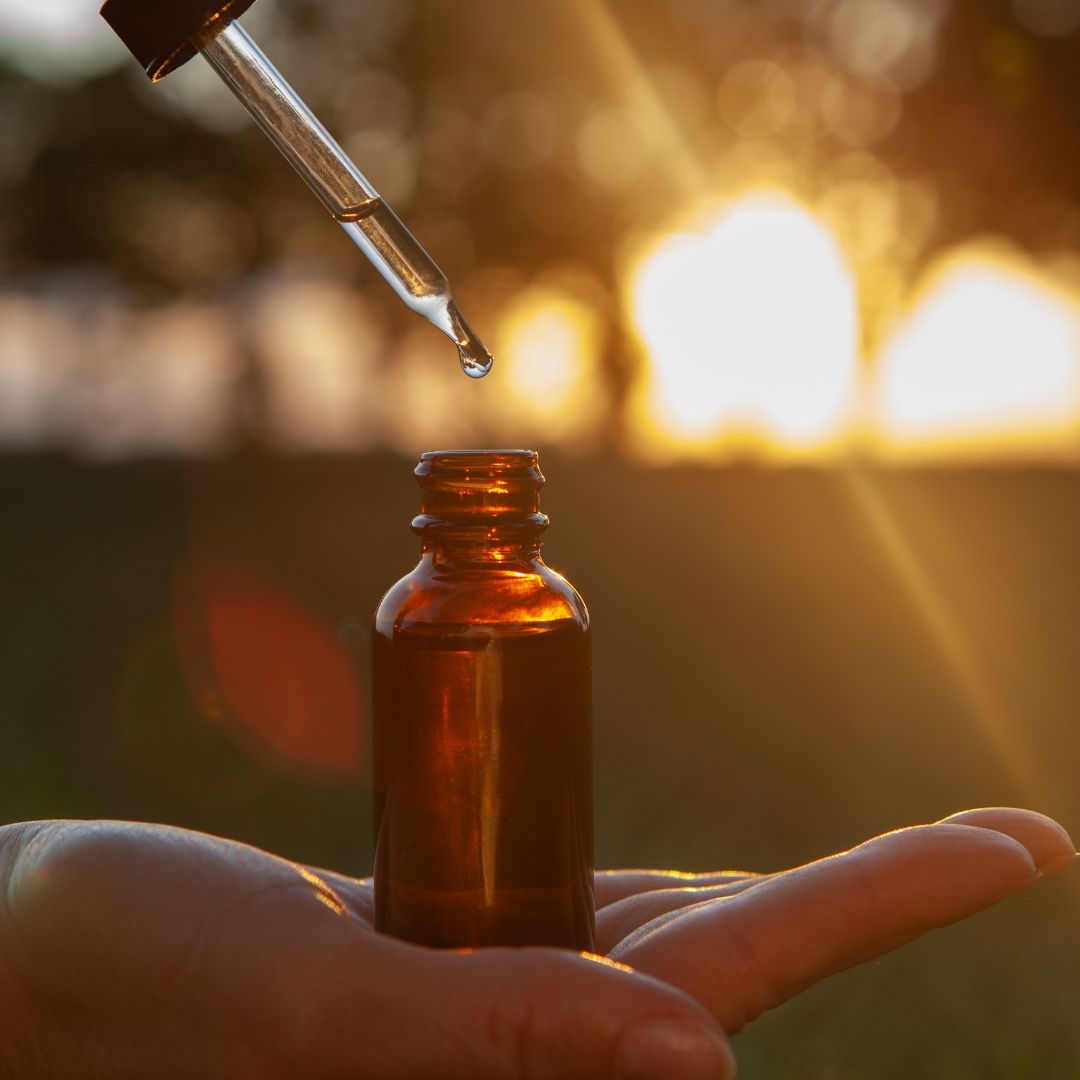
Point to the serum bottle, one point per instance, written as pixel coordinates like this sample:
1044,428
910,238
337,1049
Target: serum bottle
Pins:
481,679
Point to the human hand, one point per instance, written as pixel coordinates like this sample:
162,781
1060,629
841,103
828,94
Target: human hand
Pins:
143,951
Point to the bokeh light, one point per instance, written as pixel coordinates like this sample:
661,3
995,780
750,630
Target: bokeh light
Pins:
159,383
750,330
614,147
425,401
35,356
860,110
112,382
757,98
57,40
549,345
316,344
986,363
522,131
393,162
892,38
763,328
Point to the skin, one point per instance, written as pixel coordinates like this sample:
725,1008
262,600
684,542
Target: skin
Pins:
130,950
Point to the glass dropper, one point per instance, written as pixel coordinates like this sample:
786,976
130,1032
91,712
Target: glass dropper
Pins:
166,33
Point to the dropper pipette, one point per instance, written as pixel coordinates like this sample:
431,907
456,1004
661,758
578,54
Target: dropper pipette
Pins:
163,34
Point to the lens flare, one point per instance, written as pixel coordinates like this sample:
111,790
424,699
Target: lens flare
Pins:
266,670
750,330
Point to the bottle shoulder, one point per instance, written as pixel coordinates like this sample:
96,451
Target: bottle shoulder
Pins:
520,597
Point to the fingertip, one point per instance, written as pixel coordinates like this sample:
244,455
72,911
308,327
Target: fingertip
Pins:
676,1049
1058,863
1050,846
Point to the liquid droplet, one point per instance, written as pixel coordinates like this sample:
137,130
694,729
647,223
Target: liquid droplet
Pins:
476,363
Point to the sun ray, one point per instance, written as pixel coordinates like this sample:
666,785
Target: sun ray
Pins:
633,85
958,655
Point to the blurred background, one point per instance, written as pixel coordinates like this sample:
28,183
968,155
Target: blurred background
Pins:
786,293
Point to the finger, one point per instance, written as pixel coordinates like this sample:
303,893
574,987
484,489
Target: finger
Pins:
1050,845
751,951
616,921
615,885
380,1008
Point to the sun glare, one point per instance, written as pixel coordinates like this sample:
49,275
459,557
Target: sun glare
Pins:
750,331
987,362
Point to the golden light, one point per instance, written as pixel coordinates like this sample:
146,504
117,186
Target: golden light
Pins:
886,37
750,330
757,98
613,147
987,362
548,346
426,401
952,640
317,344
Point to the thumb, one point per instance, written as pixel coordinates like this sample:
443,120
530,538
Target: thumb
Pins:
501,1014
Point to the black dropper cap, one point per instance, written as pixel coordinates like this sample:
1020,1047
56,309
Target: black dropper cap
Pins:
164,34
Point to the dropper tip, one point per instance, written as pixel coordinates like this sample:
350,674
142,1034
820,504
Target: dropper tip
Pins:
476,361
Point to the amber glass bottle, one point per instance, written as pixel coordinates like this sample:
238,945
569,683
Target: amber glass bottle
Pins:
482,721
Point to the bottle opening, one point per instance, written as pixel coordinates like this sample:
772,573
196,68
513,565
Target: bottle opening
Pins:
494,490
456,461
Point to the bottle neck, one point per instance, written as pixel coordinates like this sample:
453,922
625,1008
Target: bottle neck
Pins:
463,552
480,506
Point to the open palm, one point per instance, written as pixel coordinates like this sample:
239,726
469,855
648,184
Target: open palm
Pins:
131,950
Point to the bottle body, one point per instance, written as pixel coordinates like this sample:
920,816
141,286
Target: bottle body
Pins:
481,685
